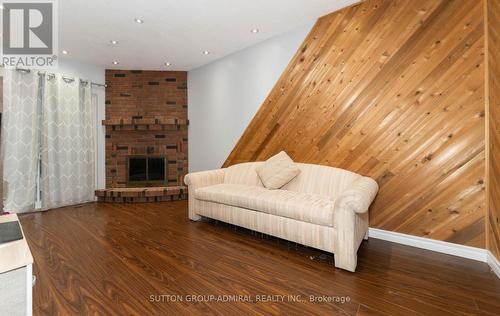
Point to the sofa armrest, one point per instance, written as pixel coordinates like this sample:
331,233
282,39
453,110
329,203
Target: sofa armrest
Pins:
358,196
350,218
204,178
198,180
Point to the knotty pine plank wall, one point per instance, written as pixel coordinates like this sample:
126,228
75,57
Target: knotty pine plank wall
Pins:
493,11
393,90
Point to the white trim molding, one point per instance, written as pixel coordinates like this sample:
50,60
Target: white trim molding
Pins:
449,248
494,264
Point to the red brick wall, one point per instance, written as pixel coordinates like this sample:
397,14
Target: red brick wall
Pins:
146,94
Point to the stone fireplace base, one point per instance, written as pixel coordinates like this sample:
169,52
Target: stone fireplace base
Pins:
142,195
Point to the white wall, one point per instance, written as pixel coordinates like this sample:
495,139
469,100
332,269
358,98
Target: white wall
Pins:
95,74
224,96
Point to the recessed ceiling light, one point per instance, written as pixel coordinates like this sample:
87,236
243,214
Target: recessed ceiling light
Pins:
65,52
206,52
113,42
115,62
140,21
168,64
254,31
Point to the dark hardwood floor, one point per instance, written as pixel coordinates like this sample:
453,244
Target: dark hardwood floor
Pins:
147,259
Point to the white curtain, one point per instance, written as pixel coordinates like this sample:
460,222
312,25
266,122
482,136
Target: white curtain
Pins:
20,139
68,160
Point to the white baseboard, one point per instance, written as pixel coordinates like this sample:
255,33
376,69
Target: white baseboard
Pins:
449,248
494,264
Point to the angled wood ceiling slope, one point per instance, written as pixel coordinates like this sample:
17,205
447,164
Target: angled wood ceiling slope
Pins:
393,90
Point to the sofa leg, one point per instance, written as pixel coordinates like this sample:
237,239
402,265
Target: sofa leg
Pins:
194,217
346,261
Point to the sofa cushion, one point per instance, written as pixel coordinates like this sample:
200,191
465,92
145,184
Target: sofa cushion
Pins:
277,171
243,173
311,208
322,180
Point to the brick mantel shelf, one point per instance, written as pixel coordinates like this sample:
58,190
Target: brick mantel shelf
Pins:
144,121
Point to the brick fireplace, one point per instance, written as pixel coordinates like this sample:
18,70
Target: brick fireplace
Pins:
146,129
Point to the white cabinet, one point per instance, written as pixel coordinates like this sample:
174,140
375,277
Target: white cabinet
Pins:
16,276
16,289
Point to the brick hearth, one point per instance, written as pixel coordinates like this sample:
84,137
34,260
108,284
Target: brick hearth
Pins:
140,195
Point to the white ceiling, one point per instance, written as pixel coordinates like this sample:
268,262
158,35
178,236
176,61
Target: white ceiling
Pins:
177,31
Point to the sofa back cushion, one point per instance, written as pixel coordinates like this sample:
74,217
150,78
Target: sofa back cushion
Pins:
312,179
322,180
243,173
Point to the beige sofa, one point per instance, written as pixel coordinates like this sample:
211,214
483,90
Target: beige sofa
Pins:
323,207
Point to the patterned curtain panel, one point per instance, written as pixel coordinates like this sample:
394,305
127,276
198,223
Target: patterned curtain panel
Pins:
20,139
67,143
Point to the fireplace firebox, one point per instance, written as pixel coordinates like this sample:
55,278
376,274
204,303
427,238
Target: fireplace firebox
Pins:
147,171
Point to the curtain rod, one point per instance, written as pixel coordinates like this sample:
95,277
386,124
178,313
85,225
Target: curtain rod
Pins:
66,79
